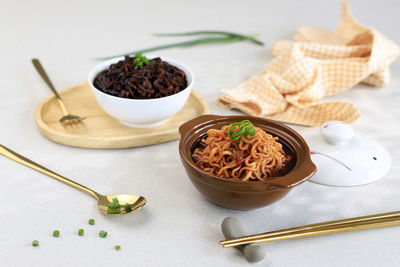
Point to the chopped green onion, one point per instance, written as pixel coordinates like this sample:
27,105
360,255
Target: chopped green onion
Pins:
245,128
114,207
117,247
115,202
102,234
56,233
140,61
91,221
35,243
128,208
114,210
81,232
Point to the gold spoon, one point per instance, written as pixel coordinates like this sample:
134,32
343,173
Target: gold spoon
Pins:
134,202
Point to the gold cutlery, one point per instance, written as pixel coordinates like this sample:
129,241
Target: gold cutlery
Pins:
67,118
336,226
128,203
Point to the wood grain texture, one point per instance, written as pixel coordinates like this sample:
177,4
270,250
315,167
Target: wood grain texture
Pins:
99,130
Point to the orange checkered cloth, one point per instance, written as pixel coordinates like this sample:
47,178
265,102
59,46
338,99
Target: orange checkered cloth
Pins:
319,63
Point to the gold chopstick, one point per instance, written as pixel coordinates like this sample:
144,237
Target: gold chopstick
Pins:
343,225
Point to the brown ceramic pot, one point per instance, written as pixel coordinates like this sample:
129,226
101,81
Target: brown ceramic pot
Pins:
246,195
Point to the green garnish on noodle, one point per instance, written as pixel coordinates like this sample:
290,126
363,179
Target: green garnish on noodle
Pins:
245,128
140,60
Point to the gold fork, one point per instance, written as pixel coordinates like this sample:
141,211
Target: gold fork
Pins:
68,117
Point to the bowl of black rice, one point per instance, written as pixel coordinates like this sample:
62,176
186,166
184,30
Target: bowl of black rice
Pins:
141,91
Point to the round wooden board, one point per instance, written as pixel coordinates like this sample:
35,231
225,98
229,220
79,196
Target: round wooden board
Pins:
99,130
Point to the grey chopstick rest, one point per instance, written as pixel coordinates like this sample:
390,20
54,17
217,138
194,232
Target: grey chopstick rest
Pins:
233,228
253,253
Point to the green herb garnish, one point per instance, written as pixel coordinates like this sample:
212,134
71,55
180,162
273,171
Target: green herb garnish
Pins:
128,208
227,34
81,232
35,243
140,60
102,234
115,202
237,129
219,37
117,247
91,221
114,210
114,207
56,233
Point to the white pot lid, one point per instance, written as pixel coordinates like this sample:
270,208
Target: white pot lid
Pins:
345,158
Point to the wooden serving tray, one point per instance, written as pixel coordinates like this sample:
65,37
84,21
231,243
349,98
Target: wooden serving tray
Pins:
99,130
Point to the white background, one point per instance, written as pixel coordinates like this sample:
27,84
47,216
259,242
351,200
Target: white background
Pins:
177,227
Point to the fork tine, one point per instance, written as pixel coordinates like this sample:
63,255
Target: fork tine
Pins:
71,119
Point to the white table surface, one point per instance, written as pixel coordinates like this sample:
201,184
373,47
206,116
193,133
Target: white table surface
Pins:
177,227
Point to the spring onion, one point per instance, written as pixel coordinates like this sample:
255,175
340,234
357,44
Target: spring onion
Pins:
128,208
114,207
115,202
245,128
102,234
140,61
91,221
216,37
117,247
81,232
228,34
56,233
35,243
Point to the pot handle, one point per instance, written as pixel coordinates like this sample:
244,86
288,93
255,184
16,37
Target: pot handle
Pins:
184,128
292,181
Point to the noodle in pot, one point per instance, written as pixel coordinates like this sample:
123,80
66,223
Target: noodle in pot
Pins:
250,158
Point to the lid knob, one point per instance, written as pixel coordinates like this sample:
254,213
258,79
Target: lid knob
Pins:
335,132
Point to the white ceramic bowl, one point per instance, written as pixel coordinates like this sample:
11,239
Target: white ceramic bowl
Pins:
141,113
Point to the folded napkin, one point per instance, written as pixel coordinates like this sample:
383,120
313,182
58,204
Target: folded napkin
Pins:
319,63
